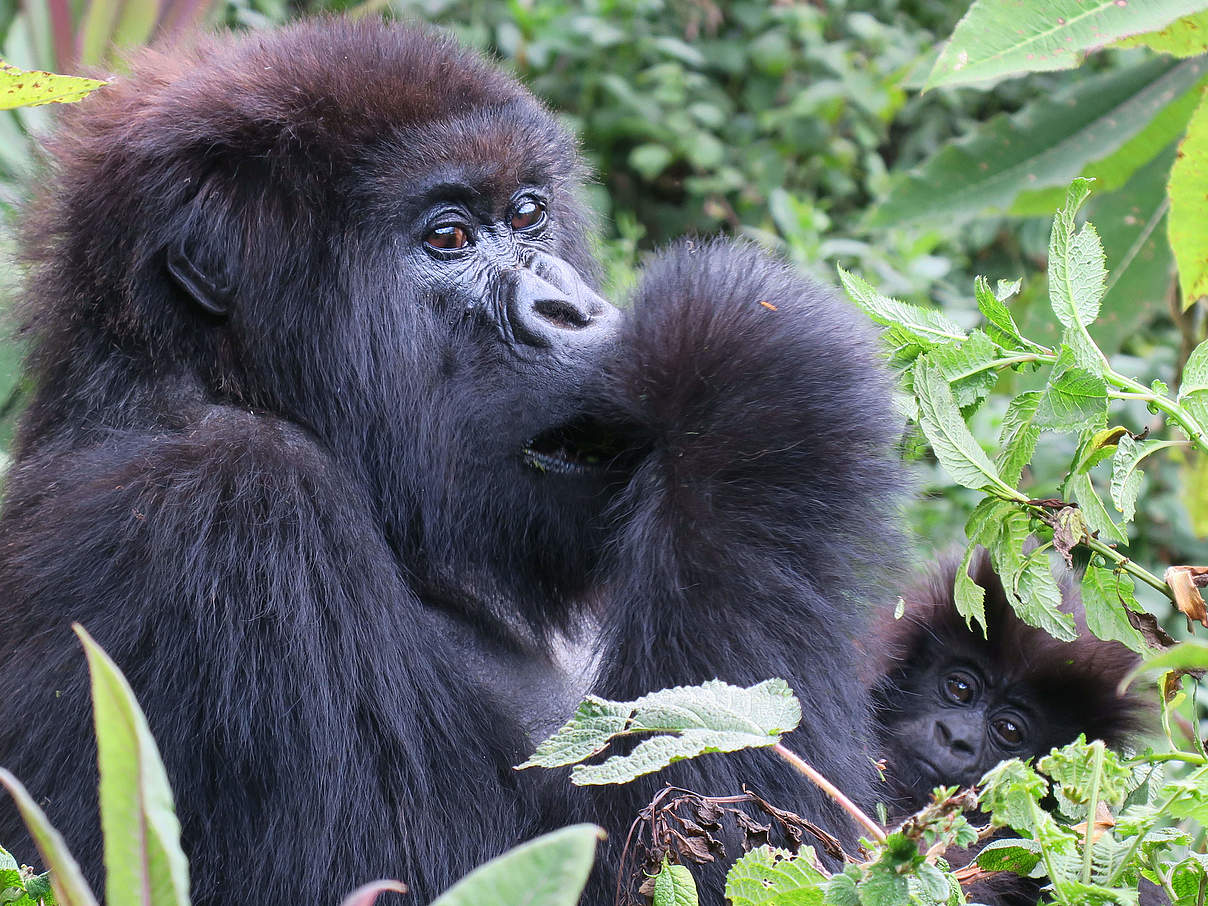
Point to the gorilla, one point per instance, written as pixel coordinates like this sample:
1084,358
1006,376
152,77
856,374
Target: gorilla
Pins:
951,704
336,449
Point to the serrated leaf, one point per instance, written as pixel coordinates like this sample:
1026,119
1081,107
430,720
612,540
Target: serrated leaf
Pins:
882,887
548,871
21,88
1126,477
674,886
999,323
1073,766
929,325
996,38
1077,271
1028,580
1073,399
143,859
982,529
1188,192
955,447
1185,37
775,877
692,720
968,367
1106,598
1018,436
1047,143
69,885
1193,391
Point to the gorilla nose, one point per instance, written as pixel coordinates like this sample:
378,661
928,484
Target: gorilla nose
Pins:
551,306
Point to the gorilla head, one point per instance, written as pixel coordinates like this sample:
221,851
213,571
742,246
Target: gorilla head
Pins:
369,233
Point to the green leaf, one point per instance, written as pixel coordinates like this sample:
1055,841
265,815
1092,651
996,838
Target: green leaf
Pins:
775,877
1009,791
143,859
1193,391
1078,486
1106,597
929,325
650,160
548,871
1186,37
1073,766
69,885
1019,856
982,529
1126,477
673,886
690,721
1189,207
1076,264
1028,580
999,323
1047,143
968,366
996,38
19,88
1189,655
954,445
1132,226
883,887
1018,436
12,885
1073,399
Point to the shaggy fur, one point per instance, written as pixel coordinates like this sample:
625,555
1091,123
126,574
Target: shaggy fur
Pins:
306,531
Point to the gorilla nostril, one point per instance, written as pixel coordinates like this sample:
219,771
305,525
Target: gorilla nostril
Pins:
942,734
561,314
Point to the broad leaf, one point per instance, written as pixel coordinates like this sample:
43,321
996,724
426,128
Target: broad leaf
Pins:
1189,207
673,886
548,871
996,38
775,877
1047,143
1076,266
1186,37
1000,325
1193,391
1189,655
682,722
1018,436
1126,477
19,88
928,324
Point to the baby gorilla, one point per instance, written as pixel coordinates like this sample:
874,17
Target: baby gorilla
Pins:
951,705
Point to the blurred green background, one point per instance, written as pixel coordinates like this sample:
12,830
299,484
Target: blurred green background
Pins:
785,122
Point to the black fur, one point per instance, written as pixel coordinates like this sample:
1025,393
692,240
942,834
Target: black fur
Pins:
301,520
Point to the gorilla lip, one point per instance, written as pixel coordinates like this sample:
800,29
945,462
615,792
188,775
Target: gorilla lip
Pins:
578,447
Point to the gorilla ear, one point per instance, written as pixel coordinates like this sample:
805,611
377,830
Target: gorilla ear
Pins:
210,295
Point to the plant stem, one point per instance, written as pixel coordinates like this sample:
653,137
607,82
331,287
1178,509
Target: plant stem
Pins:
874,829
1092,809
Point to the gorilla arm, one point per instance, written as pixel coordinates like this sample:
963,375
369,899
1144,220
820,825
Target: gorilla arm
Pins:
764,512
250,656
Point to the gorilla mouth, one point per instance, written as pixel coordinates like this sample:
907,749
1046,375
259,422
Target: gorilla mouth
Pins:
579,447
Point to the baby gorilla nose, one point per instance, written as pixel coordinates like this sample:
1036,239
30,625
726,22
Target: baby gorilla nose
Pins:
551,306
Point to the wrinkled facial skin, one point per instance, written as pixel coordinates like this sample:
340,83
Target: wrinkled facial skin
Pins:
953,723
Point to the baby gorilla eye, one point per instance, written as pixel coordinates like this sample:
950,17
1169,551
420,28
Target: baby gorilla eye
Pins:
959,688
447,237
529,213
1008,732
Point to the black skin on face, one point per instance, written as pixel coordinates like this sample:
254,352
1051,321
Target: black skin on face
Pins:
337,451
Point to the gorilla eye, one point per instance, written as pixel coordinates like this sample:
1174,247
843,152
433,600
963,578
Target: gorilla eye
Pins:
447,237
959,688
1009,733
527,214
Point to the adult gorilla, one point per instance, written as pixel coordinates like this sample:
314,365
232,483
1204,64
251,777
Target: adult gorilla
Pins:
338,454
